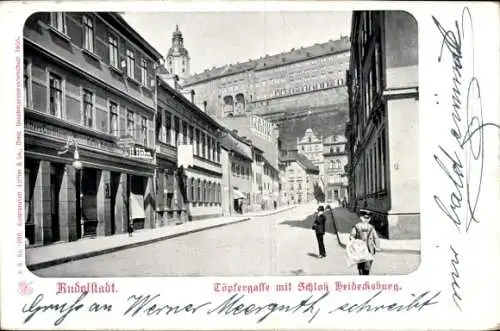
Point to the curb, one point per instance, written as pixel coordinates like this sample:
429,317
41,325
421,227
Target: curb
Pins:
81,256
383,250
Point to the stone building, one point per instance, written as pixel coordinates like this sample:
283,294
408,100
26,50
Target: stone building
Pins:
302,78
90,105
301,178
184,132
311,146
240,175
334,162
382,131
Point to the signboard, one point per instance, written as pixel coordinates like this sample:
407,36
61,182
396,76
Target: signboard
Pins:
185,155
62,133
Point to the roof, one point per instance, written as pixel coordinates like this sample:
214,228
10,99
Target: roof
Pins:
117,18
335,139
306,163
162,83
294,55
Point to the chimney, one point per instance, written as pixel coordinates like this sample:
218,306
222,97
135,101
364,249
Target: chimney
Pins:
192,96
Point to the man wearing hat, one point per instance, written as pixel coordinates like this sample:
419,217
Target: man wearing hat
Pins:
319,228
366,232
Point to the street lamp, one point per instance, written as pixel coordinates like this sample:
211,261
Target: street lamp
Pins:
77,164
76,155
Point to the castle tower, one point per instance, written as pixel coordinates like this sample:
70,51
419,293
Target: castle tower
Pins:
178,56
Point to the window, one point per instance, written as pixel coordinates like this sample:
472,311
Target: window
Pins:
27,85
130,122
113,118
55,95
218,156
113,51
214,151
204,191
130,63
144,130
176,128
191,189
203,145
197,137
88,108
198,188
209,143
144,72
88,33
191,134
168,127
58,21
184,133
331,164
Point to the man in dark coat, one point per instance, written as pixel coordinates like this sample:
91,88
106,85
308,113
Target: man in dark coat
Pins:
319,228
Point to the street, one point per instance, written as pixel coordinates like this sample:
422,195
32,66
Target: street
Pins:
281,244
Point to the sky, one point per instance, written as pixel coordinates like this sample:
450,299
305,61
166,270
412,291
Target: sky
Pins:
219,38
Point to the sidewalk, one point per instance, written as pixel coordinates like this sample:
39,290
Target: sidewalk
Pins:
344,220
58,253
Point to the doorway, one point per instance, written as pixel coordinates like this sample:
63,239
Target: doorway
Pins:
56,175
115,183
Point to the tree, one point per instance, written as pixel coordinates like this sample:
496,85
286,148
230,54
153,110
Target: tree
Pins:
319,195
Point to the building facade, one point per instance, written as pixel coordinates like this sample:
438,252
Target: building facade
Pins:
88,126
262,133
382,131
301,178
334,162
240,158
192,190
305,77
311,146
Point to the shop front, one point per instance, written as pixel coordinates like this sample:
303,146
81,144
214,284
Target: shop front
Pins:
78,185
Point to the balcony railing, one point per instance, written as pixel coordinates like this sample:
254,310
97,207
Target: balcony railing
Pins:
166,150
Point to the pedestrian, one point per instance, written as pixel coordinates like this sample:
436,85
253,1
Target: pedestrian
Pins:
130,228
319,229
365,232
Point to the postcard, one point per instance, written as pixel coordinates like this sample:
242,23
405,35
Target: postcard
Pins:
250,165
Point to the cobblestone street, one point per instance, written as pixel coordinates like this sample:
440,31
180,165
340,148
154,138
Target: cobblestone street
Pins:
281,244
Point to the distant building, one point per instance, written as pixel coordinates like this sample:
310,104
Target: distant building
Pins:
383,125
178,59
263,134
240,175
301,178
334,162
311,146
302,78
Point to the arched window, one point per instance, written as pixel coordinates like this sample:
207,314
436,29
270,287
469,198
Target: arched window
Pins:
204,198
198,188
191,189
213,193
219,197
331,164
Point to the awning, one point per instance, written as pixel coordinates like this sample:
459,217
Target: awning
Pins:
237,194
136,205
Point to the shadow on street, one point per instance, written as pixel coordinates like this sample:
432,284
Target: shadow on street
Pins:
308,222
